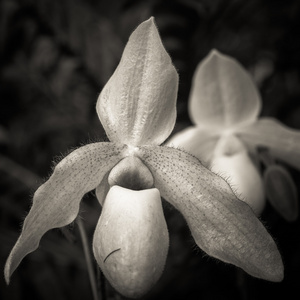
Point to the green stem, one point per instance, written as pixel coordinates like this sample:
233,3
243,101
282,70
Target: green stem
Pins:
88,258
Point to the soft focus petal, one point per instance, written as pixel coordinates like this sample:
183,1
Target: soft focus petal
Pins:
281,141
232,162
222,225
223,94
281,192
199,142
56,202
138,104
131,240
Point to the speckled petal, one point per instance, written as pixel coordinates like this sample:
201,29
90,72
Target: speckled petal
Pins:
282,142
56,202
223,95
222,225
137,106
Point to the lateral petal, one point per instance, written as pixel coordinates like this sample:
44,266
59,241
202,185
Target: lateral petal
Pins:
197,141
56,202
133,104
223,95
282,142
222,225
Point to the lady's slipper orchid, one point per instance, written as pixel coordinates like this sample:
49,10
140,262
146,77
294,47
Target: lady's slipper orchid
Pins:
224,105
133,172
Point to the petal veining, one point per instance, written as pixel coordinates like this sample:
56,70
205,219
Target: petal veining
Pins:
138,104
282,142
223,95
222,225
56,202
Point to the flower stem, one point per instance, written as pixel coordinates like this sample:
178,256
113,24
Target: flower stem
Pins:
88,258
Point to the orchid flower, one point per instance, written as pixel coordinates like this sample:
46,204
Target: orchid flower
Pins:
224,105
137,108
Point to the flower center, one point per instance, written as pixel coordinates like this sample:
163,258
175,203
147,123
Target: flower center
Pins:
132,174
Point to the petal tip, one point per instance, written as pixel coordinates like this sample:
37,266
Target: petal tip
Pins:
214,52
151,20
276,273
217,55
7,270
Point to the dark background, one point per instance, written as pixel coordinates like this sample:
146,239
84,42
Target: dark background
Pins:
55,57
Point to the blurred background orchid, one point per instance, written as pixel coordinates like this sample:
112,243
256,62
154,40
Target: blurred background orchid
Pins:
229,137
56,56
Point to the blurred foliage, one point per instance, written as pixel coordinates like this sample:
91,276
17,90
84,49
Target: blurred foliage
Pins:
55,57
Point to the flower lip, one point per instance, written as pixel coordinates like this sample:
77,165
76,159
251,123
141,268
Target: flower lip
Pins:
131,240
132,174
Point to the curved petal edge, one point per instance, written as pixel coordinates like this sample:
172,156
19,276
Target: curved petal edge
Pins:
223,95
222,225
56,202
133,104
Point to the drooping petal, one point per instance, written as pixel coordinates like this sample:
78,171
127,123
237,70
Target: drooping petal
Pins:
138,104
56,202
131,240
223,95
199,142
222,225
281,141
232,162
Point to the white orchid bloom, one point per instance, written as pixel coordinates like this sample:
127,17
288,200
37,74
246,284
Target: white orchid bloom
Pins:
224,105
133,171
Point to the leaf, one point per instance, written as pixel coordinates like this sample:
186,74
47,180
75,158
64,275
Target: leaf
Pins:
56,202
223,95
133,104
222,225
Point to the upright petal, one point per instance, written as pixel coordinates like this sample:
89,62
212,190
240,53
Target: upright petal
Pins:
56,202
131,240
281,141
223,94
138,104
222,225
